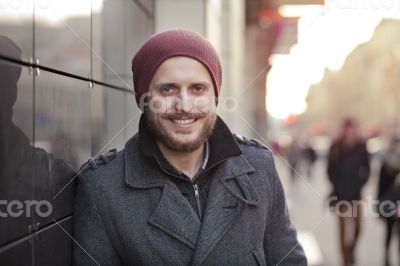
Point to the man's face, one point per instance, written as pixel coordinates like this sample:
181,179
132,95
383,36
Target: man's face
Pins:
181,112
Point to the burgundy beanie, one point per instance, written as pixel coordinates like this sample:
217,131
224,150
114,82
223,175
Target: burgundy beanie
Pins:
164,45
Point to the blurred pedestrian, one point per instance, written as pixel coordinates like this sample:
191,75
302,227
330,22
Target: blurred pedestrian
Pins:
348,171
310,157
388,190
293,156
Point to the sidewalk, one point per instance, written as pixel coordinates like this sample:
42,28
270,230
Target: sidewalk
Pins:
306,198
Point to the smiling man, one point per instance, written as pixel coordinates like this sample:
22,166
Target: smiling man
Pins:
184,190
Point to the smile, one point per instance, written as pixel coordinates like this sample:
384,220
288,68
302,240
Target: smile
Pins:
183,122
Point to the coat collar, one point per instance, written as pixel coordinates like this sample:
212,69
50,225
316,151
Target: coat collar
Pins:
139,171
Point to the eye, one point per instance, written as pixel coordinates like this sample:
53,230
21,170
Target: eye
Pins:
167,89
198,89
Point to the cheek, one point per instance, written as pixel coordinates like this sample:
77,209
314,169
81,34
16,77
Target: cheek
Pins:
158,104
204,104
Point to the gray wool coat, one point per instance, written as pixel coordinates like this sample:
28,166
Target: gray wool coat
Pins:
128,213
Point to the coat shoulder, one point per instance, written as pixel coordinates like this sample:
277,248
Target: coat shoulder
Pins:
258,154
100,165
245,142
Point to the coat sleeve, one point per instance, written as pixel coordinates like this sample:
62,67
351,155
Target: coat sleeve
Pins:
280,243
91,243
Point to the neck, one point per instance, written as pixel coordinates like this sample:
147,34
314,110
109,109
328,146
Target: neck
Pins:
187,162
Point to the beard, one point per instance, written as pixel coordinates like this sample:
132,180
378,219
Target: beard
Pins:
161,134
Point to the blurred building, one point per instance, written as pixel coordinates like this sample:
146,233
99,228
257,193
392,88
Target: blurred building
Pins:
366,87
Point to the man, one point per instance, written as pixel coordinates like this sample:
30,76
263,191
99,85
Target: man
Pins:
184,190
348,171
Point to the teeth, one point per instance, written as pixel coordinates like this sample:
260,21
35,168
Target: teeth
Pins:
184,122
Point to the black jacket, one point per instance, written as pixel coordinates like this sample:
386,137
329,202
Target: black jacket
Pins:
348,169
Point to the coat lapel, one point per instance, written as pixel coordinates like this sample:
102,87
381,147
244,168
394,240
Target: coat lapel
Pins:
230,189
173,214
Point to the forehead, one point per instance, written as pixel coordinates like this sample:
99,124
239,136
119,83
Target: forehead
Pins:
182,67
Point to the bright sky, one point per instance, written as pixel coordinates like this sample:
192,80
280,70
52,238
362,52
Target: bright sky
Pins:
326,36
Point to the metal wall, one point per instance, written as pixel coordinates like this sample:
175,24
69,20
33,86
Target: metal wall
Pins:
65,95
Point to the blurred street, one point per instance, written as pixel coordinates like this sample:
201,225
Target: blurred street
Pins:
317,226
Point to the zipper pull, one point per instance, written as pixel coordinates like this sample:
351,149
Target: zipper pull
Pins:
196,190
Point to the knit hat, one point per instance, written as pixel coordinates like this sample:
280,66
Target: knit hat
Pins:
164,45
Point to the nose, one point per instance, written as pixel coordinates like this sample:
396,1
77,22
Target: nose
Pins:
185,102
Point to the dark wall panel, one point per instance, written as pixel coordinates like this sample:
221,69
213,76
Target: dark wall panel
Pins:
53,245
16,149
51,120
62,36
62,141
19,253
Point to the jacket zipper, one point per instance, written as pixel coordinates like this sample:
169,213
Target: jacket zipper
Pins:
195,186
212,166
197,196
